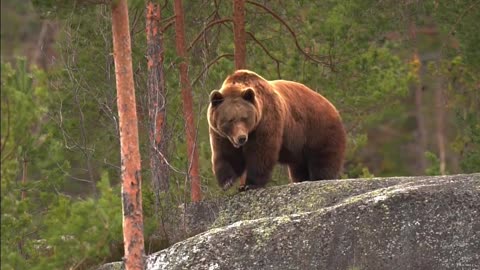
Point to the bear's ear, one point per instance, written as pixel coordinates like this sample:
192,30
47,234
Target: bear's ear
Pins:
248,94
216,98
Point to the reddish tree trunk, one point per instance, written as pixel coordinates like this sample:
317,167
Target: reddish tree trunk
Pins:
239,34
130,155
156,100
421,128
193,172
240,44
418,92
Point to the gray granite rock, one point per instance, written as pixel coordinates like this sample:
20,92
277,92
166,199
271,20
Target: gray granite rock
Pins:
380,223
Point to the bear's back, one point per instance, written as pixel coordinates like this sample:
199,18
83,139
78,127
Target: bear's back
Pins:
298,95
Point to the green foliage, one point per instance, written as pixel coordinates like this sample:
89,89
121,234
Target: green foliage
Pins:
470,144
366,173
17,223
85,231
46,229
460,19
434,168
464,99
72,234
30,154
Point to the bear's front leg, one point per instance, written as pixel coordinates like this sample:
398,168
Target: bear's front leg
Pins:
228,163
224,172
261,155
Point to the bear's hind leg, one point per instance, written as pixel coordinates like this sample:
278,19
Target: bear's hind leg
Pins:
298,172
324,167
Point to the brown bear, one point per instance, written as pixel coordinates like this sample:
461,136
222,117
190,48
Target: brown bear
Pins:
255,124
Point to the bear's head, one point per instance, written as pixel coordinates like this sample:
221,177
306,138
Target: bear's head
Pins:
233,113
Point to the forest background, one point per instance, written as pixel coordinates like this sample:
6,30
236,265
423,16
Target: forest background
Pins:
403,74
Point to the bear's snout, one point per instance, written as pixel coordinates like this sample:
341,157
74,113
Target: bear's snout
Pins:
242,139
239,141
239,135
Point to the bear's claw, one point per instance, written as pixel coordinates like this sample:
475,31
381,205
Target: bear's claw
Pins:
227,184
247,187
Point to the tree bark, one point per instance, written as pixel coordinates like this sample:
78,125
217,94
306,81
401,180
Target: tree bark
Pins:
193,172
44,54
156,100
24,177
240,43
421,129
440,123
239,34
129,147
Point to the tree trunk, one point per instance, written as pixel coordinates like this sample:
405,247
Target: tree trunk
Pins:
239,34
44,53
240,45
193,172
421,129
156,101
24,177
440,123
130,155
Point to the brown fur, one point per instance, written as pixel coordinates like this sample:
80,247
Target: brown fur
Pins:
282,122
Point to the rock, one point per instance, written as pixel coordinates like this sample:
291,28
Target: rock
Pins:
112,266
296,198
380,223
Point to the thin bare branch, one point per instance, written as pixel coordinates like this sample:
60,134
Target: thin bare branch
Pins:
170,23
277,61
459,18
164,5
168,163
168,20
166,23
208,26
111,165
136,17
83,134
73,177
292,33
210,64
